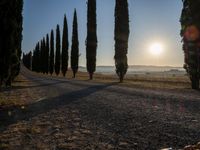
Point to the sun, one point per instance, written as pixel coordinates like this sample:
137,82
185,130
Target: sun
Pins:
156,49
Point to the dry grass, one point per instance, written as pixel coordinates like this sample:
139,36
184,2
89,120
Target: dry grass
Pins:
151,80
10,97
20,94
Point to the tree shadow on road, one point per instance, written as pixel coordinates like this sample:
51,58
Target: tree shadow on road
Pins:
37,83
14,114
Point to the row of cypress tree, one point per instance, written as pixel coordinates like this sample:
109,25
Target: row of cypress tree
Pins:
10,40
121,37
47,60
26,60
41,63
190,22
43,56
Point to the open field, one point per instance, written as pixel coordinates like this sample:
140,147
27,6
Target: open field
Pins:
163,80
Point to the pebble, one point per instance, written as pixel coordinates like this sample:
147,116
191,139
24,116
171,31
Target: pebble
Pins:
198,145
167,148
189,147
193,147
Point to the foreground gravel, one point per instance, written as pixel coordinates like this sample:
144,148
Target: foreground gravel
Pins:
87,115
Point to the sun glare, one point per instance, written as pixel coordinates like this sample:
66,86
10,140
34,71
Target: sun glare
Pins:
156,49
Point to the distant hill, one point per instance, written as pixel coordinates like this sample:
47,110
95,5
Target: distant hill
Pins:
137,69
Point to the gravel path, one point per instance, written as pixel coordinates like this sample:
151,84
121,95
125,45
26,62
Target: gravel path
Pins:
72,114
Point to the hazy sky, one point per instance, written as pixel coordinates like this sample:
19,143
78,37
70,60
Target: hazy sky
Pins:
151,21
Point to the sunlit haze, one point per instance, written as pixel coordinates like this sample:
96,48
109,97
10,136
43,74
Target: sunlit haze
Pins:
156,49
150,21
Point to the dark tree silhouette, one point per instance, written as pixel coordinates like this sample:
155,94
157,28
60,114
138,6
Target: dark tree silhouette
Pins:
41,56
51,65
16,57
10,39
75,46
36,58
43,51
121,37
91,40
65,46
47,54
27,59
190,23
57,60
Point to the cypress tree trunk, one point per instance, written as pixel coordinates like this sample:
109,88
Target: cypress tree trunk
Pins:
121,37
75,46
57,63
65,45
51,68
91,41
190,21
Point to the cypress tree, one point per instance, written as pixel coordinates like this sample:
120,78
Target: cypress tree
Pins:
7,39
65,45
27,59
91,40
41,56
121,37
51,65
10,40
47,54
75,46
190,21
23,59
57,61
16,52
35,58
37,61
43,51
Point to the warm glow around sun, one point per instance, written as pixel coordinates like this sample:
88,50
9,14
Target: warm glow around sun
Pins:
156,49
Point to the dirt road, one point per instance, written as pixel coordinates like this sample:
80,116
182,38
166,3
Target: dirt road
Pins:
72,114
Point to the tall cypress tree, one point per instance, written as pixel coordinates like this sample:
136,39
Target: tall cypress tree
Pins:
47,55
57,61
27,59
51,65
65,45
91,40
41,56
190,21
75,46
18,39
121,37
43,51
36,58
10,39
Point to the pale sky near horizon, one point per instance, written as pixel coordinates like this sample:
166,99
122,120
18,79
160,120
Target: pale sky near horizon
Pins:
151,21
